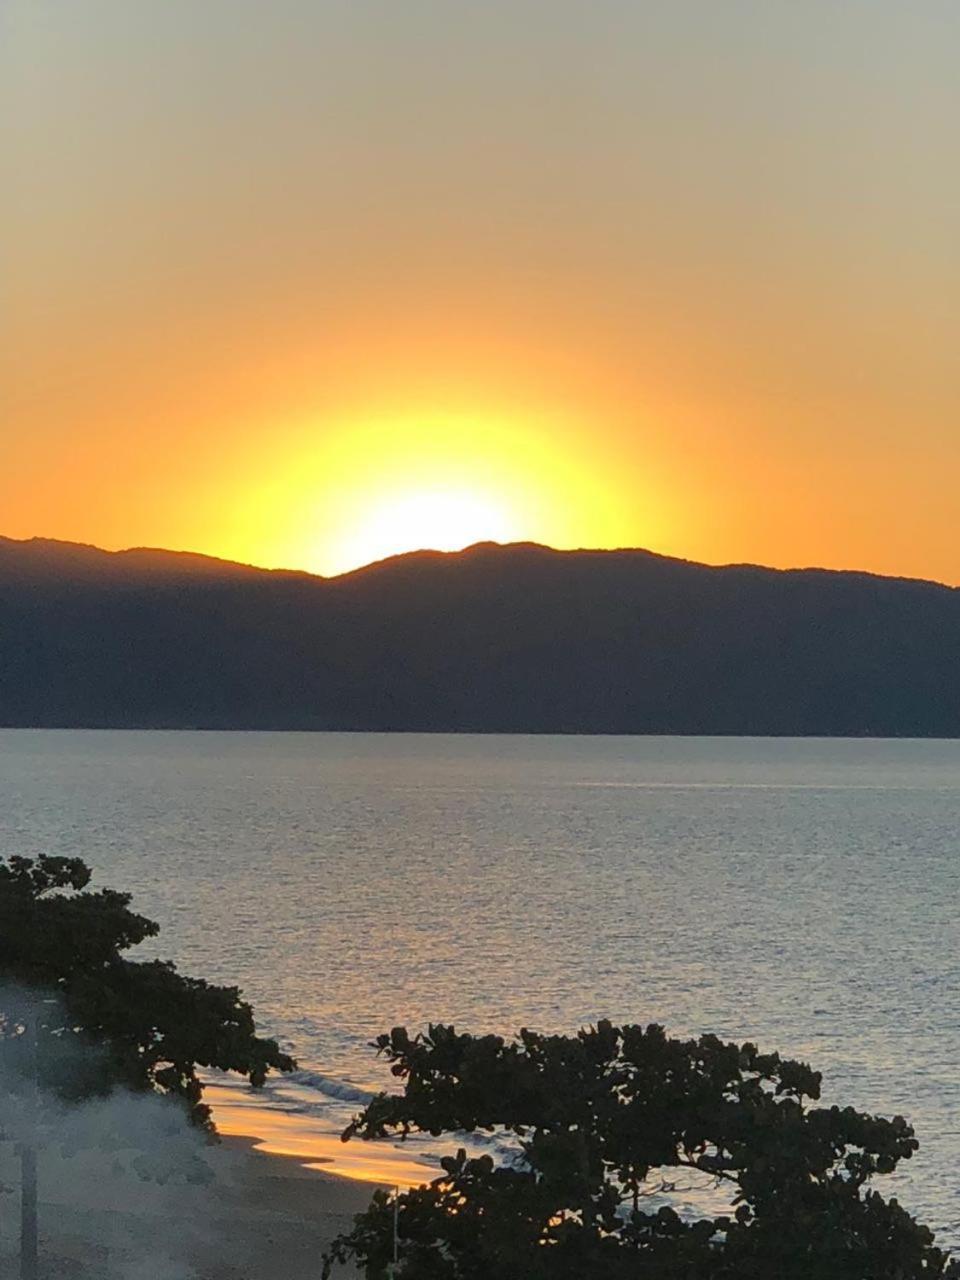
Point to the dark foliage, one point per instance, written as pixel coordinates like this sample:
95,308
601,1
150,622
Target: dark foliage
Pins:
106,1020
603,1118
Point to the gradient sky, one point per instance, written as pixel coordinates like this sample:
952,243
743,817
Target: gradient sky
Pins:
307,283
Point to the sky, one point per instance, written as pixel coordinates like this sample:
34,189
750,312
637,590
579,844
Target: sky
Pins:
309,283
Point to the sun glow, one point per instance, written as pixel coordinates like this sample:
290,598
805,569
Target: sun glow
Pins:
358,486
431,519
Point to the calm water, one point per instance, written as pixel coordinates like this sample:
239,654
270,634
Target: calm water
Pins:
799,893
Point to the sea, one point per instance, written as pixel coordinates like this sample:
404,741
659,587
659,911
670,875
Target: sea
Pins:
799,893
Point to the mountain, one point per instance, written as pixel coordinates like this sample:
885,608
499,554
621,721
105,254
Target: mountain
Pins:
518,638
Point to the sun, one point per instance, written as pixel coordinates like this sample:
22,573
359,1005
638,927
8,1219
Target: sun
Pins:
430,519
363,486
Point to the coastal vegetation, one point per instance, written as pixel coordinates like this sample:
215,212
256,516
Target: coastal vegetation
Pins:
105,1020
608,1124
99,1052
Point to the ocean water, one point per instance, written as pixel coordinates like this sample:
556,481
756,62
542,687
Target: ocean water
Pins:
799,893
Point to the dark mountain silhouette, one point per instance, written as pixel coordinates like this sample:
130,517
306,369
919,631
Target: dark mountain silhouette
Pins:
517,638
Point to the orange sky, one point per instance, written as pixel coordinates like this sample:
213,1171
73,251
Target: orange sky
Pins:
307,284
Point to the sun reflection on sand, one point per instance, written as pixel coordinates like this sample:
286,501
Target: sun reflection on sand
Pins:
287,1134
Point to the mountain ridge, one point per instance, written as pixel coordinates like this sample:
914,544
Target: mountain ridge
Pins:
515,638
424,555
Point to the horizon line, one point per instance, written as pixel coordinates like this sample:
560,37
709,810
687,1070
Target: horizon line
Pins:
483,544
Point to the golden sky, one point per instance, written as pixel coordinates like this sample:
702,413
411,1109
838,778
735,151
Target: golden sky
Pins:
309,282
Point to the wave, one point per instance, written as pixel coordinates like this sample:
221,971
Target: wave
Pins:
330,1087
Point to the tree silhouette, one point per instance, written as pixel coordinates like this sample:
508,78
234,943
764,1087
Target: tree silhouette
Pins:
143,1025
607,1117
78,1020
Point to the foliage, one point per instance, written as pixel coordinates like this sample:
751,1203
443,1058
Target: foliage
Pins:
62,965
602,1119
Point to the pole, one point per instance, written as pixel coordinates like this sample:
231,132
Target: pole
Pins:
396,1227
28,1162
393,1268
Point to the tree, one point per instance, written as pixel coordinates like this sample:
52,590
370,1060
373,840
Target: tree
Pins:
607,1117
144,1026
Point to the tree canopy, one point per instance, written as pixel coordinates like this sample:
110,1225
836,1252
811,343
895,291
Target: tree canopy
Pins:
604,1119
144,1025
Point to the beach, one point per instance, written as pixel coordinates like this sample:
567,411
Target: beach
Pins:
260,1217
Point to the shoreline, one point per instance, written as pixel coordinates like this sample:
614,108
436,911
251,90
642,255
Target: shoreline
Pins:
287,1134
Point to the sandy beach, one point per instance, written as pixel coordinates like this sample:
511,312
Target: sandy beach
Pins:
289,1133
260,1217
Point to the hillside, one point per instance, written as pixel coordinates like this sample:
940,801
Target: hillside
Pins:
508,639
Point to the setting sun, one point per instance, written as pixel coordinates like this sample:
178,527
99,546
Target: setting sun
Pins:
438,520
373,481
